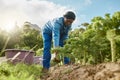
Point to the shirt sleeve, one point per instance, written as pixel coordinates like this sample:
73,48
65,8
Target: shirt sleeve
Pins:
64,37
66,34
56,34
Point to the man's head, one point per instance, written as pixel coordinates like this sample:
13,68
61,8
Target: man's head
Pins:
69,17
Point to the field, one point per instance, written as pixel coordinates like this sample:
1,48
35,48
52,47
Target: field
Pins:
103,71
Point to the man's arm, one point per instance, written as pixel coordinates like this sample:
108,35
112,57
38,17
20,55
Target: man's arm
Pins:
56,34
64,37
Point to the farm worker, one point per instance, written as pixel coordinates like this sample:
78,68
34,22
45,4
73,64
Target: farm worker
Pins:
56,29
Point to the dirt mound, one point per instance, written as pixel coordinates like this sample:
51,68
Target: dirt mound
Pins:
104,71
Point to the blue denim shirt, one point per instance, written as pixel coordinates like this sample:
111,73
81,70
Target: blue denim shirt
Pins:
58,30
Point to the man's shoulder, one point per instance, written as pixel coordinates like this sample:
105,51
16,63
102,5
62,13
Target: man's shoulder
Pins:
58,20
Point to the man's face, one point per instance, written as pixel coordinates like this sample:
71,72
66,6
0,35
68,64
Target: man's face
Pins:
68,22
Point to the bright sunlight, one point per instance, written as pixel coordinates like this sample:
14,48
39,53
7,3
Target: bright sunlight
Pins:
9,26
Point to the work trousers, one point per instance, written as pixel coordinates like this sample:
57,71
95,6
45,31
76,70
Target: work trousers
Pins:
47,41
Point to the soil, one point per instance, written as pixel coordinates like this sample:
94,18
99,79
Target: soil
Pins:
103,71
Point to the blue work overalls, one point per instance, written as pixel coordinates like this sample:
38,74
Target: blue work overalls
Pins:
56,30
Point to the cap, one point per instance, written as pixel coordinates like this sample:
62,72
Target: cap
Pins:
70,15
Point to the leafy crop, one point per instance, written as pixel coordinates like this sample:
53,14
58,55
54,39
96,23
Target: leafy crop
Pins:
19,72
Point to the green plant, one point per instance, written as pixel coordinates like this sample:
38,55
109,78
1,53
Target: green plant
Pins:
19,72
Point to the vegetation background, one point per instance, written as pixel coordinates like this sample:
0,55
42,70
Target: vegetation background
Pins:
96,42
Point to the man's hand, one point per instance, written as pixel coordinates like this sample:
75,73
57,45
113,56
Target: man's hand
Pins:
56,59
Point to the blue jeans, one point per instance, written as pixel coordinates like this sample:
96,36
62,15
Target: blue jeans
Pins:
47,41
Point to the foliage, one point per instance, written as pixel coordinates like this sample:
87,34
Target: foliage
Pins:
30,38
19,72
89,44
93,44
39,52
23,37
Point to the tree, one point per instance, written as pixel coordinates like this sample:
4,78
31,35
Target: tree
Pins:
31,37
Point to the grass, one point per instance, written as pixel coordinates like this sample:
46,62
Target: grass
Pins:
20,72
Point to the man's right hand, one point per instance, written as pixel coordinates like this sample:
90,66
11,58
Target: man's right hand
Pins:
56,59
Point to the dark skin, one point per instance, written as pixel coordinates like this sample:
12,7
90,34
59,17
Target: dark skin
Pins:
68,22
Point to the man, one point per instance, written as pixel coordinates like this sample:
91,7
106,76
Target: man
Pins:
57,29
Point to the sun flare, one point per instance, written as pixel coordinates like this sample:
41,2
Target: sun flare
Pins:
9,27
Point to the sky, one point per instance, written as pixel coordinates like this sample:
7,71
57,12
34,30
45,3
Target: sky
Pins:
40,11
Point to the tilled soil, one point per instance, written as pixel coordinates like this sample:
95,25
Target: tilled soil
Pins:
104,71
